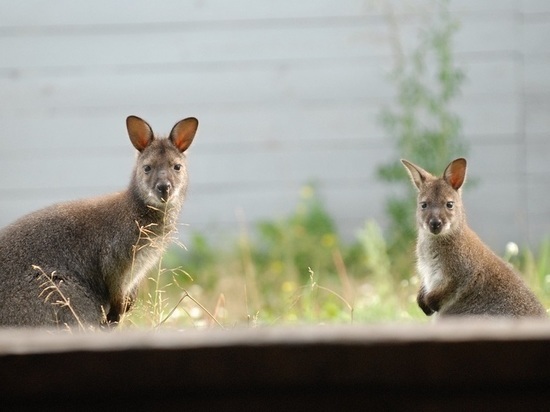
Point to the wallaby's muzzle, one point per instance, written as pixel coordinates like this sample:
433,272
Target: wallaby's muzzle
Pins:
436,225
164,189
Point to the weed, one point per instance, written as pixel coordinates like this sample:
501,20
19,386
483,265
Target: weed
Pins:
297,270
50,289
163,282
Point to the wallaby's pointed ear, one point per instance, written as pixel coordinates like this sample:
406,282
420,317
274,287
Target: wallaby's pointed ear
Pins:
418,175
455,173
183,132
141,134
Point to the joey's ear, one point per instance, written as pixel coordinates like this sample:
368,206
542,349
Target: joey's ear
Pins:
141,134
183,132
418,175
455,173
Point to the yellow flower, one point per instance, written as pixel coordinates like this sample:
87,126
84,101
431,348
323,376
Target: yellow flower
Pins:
328,240
288,287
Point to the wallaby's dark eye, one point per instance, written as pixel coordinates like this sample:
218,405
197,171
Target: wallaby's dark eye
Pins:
177,167
450,205
423,205
146,168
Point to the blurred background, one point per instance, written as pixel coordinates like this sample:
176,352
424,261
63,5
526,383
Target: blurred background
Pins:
288,94
305,109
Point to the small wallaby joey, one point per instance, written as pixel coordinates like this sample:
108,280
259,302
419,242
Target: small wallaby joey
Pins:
459,274
79,263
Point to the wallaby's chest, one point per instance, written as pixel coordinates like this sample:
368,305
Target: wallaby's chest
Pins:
430,267
431,273
146,248
142,261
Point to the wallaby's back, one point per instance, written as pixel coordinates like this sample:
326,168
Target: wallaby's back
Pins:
459,274
80,262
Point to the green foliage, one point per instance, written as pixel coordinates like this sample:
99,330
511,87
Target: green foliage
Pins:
423,126
297,270
291,270
303,240
534,265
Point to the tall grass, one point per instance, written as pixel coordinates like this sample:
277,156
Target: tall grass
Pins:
289,271
297,270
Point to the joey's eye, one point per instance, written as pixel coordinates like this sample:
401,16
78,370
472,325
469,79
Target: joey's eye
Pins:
450,205
146,168
423,205
177,167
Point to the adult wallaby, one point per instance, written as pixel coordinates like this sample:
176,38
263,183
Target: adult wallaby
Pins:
459,274
79,263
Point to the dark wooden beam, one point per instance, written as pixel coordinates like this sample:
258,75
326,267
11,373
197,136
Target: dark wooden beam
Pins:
448,366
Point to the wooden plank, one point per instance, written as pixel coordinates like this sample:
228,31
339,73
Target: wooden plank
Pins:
353,163
535,35
67,171
536,109
535,207
247,129
34,134
128,12
467,7
488,115
176,47
273,88
535,75
33,13
537,155
486,214
478,35
494,76
253,85
145,49
96,169
489,160
321,368
536,8
233,129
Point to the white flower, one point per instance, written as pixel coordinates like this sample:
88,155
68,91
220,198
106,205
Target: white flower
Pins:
512,249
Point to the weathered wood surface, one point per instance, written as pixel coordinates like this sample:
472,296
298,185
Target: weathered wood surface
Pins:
452,366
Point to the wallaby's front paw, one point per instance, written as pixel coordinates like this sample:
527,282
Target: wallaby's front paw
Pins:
422,302
425,308
427,311
432,301
113,317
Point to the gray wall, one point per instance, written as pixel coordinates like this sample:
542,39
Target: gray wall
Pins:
286,92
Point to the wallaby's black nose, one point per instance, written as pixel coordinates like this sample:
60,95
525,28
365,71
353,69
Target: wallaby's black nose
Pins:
164,189
435,225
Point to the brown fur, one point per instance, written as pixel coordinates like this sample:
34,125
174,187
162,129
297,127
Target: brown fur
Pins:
95,251
459,274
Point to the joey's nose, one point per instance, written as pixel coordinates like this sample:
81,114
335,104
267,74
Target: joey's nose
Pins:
435,225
